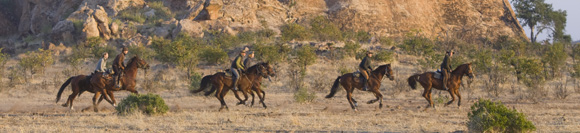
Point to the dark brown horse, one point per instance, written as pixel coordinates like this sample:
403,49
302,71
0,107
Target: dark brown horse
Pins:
428,81
349,82
128,80
221,83
79,84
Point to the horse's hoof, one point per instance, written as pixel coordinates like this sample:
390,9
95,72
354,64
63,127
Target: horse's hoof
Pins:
355,110
64,105
380,106
370,102
114,105
356,104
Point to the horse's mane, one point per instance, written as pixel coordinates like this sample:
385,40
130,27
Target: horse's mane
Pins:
254,67
460,66
381,66
132,60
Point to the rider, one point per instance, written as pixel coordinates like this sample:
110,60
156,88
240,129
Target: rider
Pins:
446,68
249,59
365,68
102,64
236,68
119,65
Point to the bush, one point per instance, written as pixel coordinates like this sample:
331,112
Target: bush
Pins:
350,49
487,116
483,60
142,51
36,61
150,104
305,56
418,45
303,95
3,59
181,52
555,57
261,36
221,39
213,55
529,71
386,42
195,81
294,31
324,30
271,53
161,12
133,14
357,36
383,56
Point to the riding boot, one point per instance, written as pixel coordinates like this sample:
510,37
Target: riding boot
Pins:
445,78
118,81
235,83
366,84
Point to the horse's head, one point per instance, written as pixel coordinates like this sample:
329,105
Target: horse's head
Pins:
465,70
264,69
270,69
386,70
140,63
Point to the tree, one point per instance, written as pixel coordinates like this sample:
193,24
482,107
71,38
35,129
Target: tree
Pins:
536,14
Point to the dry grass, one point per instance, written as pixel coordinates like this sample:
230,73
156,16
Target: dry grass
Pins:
29,108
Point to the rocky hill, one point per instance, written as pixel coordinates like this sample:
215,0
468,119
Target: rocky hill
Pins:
70,20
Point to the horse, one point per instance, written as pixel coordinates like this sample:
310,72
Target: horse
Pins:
128,80
80,84
349,82
222,83
428,81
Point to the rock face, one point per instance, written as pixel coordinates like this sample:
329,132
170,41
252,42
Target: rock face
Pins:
464,19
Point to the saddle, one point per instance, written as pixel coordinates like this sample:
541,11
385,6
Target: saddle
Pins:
229,74
438,74
359,75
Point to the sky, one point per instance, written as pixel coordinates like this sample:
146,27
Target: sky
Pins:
572,8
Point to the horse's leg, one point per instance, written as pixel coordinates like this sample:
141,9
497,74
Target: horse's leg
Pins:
379,98
426,95
69,101
350,99
252,94
238,97
452,97
110,94
263,97
223,102
458,97
95,108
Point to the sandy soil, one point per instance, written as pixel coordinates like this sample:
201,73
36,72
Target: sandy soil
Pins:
29,107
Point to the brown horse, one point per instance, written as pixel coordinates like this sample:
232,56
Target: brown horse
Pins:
128,80
349,82
428,81
79,84
221,83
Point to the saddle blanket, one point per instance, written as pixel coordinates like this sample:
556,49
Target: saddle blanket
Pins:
437,74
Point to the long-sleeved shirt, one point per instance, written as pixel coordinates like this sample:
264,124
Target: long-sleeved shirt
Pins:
118,62
101,65
248,62
237,63
446,64
366,63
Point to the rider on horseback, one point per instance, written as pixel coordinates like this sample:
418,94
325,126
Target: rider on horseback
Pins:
102,64
237,68
119,65
249,59
365,68
446,68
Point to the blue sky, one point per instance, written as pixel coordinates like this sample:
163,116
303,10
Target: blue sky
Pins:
572,8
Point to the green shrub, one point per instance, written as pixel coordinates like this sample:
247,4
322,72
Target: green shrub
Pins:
357,36
213,55
161,12
133,14
36,61
432,62
182,51
271,53
78,24
3,59
76,58
350,48
386,42
488,116
306,56
529,71
576,70
261,36
418,45
195,81
150,104
294,31
223,40
383,56
555,57
324,30
303,95
142,51
483,60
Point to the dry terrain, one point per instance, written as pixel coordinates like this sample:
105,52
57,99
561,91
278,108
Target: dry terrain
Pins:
30,107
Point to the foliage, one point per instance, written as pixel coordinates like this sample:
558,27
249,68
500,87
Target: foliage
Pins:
350,48
305,56
161,12
142,51
3,59
383,56
483,60
195,81
132,14
213,55
149,104
431,62
555,57
271,53
36,61
576,70
182,51
303,95
358,36
529,71
78,24
261,36
488,116
386,42
221,39
324,30
76,58
418,45
536,14
294,31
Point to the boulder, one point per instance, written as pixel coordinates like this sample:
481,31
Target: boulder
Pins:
90,28
63,31
150,13
114,28
188,27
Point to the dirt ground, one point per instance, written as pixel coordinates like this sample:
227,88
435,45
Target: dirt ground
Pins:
31,107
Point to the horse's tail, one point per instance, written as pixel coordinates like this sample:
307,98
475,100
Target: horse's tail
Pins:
334,87
413,81
62,88
204,82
